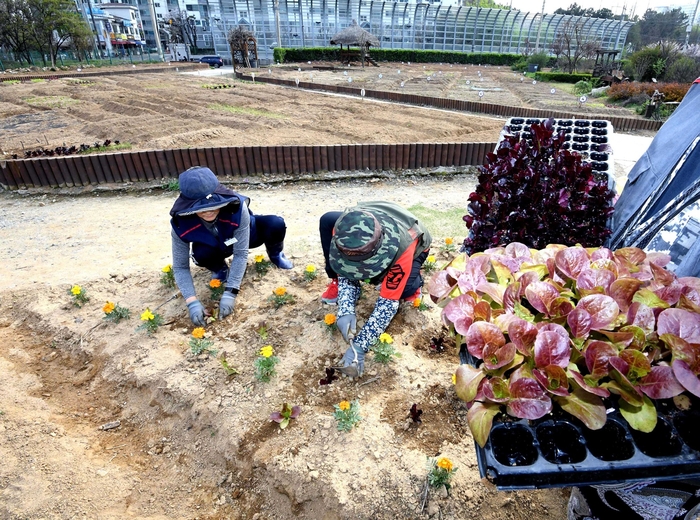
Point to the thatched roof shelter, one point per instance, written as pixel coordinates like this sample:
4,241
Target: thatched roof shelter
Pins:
354,36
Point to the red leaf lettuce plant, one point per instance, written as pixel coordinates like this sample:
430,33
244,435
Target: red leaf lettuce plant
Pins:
570,326
537,193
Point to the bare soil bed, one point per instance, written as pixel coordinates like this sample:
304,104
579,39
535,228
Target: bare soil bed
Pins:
192,441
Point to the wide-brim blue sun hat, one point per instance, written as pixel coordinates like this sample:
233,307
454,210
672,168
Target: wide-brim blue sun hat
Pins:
200,190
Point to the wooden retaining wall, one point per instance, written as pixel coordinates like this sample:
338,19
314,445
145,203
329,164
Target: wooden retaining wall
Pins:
241,161
620,124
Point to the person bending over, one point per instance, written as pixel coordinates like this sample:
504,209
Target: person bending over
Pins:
211,223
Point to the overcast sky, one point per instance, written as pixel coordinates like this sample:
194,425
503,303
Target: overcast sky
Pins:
636,6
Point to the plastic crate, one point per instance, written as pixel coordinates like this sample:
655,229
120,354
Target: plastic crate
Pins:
588,137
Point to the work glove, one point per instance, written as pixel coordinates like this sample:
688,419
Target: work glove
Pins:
347,325
354,357
226,304
196,313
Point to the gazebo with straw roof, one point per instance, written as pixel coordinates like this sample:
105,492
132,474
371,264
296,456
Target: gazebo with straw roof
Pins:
355,36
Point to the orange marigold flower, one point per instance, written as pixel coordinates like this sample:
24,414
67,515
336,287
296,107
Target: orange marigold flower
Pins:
109,307
344,405
444,463
280,291
416,303
198,333
449,241
329,319
215,283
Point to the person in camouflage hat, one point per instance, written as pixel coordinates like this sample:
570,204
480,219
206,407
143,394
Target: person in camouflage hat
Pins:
383,244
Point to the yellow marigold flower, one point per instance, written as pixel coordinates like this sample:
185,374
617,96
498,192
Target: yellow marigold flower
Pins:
386,338
147,315
416,303
444,463
449,241
198,333
454,379
259,258
266,351
344,405
109,307
280,291
76,290
430,259
329,319
215,283
311,268
167,268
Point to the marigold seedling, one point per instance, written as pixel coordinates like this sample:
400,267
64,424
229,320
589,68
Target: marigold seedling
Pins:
265,364
151,321
384,349
262,266
216,288
285,415
429,265
167,278
280,297
440,472
347,414
310,273
78,295
115,312
199,343
329,322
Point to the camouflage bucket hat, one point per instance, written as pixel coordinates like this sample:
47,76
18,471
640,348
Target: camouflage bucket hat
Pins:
364,244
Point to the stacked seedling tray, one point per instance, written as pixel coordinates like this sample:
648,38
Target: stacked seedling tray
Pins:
559,451
588,137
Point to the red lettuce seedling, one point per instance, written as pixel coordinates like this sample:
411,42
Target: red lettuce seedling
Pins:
569,327
414,413
283,417
537,193
330,377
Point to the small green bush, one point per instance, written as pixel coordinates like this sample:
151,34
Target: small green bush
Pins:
582,87
562,77
520,65
541,59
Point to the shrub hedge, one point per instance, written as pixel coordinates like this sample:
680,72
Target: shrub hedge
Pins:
562,77
627,90
294,55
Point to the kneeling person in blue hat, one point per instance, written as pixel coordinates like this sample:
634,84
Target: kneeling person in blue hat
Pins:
211,223
379,242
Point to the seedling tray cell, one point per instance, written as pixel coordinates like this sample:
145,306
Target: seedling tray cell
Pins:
588,137
560,452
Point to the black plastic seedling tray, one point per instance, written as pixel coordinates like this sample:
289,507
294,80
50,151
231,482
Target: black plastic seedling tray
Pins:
556,452
559,451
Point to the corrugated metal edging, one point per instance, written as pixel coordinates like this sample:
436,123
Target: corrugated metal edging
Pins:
240,161
480,107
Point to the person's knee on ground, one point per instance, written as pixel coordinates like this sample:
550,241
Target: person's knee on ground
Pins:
271,231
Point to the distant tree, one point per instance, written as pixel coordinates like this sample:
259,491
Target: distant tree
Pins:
576,10
16,28
670,25
53,24
572,44
488,4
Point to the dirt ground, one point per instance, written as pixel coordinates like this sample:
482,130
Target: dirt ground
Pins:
192,441
156,111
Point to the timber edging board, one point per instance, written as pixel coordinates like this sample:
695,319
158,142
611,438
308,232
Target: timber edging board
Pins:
620,124
239,161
